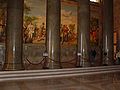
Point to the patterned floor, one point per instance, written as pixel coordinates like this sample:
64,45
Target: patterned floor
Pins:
109,81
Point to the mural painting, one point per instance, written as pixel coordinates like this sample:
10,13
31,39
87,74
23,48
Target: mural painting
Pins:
2,24
94,31
34,26
68,31
95,24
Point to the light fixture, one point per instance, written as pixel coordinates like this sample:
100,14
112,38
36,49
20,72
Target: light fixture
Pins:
94,0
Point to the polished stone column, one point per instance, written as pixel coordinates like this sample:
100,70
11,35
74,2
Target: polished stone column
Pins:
118,40
83,33
53,33
13,58
107,32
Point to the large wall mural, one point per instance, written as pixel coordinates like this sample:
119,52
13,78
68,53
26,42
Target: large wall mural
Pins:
94,31
34,27
68,22
68,31
95,24
2,23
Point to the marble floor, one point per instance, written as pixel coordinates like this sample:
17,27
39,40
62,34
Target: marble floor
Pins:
108,81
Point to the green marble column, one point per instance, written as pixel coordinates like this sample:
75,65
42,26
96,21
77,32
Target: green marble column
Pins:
118,40
13,57
83,33
53,33
108,32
